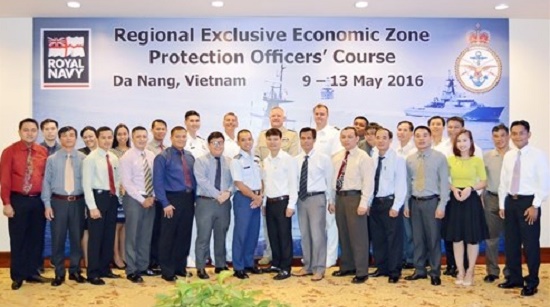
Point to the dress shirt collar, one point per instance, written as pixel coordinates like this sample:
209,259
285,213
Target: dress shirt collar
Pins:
102,152
303,153
353,151
278,156
227,137
182,151
244,153
23,146
525,149
426,153
73,152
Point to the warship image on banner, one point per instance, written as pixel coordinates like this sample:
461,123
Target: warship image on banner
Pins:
275,96
452,103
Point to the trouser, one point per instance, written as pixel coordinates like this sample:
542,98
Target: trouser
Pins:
279,229
495,224
387,236
408,246
267,251
138,230
245,232
426,230
155,236
210,216
332,239
518,232
102,235
175,235
68,217
312,221
26,228
352,235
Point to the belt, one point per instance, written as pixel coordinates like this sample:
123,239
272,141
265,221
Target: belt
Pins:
67,197
187,191
382,199
277,199
309,194
517,196
25,195
206,197
423,198
100,191
492,193
348,193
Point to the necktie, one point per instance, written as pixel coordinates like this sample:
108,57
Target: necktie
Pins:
186,174
112,188
218,179
377,175
302,192
161,147
69,175
147,175
27,184
514,187
342,173
420,178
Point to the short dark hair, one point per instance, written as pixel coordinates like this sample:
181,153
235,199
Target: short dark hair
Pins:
308,129
243,131
28,120
66,129
177,128
350,128
361,118
86,129
456,119
115,141
501,126
138,128
472,149
434,118
47,121
102,129
215,135
422,127
523,123
191,113
160,121
374,126
390,134
273,132
410,124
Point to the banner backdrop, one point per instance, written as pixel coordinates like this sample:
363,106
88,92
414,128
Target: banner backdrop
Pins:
105,71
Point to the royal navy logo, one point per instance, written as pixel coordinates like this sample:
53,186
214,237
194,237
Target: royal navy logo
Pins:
478,68
65,58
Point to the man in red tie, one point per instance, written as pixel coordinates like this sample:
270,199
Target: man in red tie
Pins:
21,172
100,182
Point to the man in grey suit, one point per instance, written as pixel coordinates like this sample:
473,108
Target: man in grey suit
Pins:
428,178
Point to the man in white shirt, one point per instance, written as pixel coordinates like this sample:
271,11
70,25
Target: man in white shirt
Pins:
437,127
280,182
352,186
315,176
328,143
524,185
386,214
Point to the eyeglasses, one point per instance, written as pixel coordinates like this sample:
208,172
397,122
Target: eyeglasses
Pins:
217,144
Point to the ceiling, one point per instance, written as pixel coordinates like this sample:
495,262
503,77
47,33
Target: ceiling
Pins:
524,9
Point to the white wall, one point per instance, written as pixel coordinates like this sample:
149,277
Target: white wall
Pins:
529,87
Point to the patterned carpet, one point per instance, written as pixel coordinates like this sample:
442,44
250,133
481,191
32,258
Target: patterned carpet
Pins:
331,291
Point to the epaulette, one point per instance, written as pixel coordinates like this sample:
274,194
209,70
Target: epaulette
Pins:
199,137
237,156
337,128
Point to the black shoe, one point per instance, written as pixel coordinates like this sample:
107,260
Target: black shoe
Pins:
58,281
393,279
341,273
282,275
135,278
240,274
15,285
407,266
451,271
38,279
96,281
154,267
184,273
172,278
77,277
529,291
111,275
359,279
201,273
377,273
272,269
509,285
219,270
490,278
149,272
253,270
436,281
415,277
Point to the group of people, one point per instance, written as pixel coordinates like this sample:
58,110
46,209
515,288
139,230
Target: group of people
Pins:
154,205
